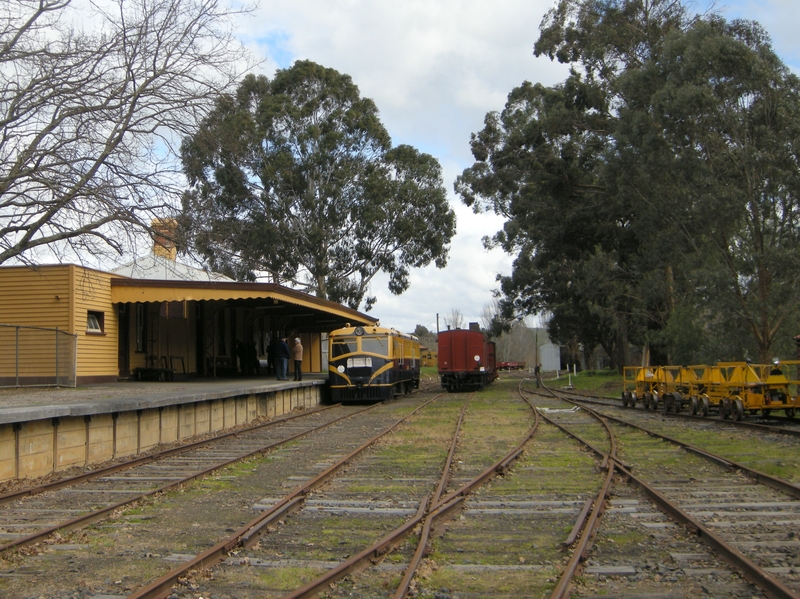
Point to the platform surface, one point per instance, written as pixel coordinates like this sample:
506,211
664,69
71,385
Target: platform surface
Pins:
35,403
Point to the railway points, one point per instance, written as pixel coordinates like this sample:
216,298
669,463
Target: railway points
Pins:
742,519
511,537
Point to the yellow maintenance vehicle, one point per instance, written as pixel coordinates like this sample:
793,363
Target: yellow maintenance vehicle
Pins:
731,389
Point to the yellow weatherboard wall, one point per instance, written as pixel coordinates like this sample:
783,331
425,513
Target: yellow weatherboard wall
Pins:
33,298
59,296
97,352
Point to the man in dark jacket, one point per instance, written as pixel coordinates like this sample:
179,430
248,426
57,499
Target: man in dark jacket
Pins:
282,354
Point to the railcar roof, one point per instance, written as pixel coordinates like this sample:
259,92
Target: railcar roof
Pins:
371,330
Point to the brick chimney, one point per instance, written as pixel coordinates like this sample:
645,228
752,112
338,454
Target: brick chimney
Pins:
163,237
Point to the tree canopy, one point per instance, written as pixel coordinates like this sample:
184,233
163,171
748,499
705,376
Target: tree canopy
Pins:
652,197
89,115
296,177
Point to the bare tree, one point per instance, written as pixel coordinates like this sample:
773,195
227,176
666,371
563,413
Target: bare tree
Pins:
489,314
521,344
89,117
455,320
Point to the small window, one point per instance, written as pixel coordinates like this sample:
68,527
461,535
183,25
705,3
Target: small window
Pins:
94,322
341,346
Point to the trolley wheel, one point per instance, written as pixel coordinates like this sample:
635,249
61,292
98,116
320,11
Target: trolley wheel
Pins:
678,402
624,399
737,409
695,404
789,412
724,408
654,402
646,401
704,406
634,399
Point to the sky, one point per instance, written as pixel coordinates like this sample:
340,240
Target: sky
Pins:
435,68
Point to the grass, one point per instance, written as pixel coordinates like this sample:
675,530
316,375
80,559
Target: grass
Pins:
288,578
607,382
496,584
429,372
770,454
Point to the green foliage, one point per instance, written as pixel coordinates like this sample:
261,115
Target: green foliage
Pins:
425,336
296,177
605,382
652,197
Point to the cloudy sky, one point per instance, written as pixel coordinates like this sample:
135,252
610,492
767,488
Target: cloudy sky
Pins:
434,69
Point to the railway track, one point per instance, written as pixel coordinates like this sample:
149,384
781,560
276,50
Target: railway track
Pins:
382,492
275,525
779,425
123,545
768,448
479,457
419,481
742,519
29,515
334,448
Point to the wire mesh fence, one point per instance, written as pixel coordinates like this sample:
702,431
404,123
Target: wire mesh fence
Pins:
35,356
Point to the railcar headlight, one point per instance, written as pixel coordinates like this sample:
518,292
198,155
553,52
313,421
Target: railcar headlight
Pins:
477,358
776,361
340,368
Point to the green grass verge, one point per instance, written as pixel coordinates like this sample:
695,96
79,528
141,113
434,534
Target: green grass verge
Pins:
604,382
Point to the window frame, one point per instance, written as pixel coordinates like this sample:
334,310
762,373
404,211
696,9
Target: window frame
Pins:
99,318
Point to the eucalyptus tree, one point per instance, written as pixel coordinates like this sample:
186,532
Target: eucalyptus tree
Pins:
296,177
92,98
651,196
544,163
726,109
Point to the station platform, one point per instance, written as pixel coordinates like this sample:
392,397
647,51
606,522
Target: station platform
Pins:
33,403
46,430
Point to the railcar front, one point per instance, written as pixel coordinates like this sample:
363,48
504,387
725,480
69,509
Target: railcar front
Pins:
372,363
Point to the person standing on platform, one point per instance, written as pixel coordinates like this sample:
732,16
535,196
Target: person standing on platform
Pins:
537,371
241,356
282,355
297,353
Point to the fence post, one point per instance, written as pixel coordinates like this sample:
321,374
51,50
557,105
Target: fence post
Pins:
16,355
74,361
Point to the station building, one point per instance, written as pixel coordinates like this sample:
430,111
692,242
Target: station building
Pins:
154,318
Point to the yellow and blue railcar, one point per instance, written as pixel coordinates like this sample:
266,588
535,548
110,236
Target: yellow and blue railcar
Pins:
372,363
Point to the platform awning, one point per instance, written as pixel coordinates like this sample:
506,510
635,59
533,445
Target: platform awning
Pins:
267,297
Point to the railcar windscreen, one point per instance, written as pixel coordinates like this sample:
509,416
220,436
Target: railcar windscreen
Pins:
344,346
375,345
